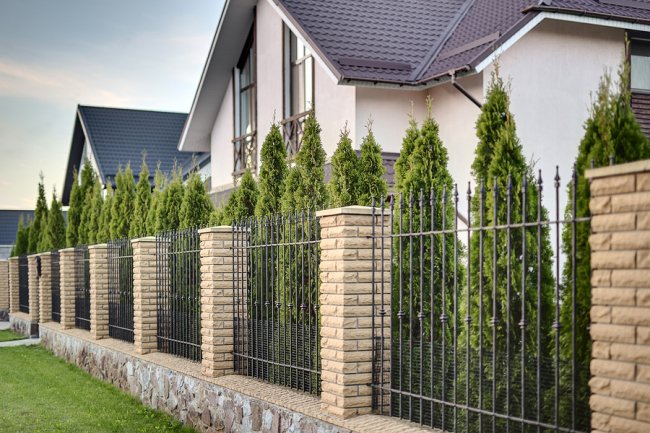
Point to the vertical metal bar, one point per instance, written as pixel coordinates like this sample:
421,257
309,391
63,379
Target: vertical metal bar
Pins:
443,314
455,307
372,301
421,301
400,314
480,307
382,311
392,324
468,318
508,295
432,208
494,320
556,324
539,300
574,203
410,329
522,323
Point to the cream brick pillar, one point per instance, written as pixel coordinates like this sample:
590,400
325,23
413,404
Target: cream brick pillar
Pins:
33,286
144,295
98,291
14,306
217,277
4,289
346,297
620,311
68,282
45,289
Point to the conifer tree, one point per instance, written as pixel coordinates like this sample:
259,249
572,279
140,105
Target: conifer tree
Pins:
40,219
22,238
104,226
138,226
88,181
74,211
170,204
56,225
159,185
288,201
310,162
123,202
403,163
196,206
372,173
344,181
273,171
242,202
94,213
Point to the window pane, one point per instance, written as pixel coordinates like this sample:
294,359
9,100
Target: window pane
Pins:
244,74
640,65
244,113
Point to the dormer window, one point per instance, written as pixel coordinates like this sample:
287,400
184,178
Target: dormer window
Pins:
245,143
640,64
298,89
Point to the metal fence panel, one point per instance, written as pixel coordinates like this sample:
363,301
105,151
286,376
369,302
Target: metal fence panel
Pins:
178,267
120,290
56,286
276,289
82,288
23,284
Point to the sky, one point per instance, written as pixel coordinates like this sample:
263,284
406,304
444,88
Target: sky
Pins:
54,55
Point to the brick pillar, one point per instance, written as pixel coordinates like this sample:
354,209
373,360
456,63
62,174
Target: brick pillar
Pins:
346,296
13,285
68,276
620,311
144,295
45,289
32,263
217,332
4,288
98,291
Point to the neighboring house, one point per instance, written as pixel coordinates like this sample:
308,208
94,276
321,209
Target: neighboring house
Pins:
8,228
111,137
351,61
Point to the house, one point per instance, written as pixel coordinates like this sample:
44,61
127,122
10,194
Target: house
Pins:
8,228
353,60
111,137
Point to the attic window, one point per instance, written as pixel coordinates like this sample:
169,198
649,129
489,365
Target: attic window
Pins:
640,64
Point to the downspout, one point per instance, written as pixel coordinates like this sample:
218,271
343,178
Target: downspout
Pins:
462,90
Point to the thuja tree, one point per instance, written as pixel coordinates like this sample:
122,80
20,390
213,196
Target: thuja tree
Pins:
196,206
55,225
242,202
156,198
403,163
88,181
74,211
104,225
610,131
40,220
142,202
372,173
273,171
123,203
344,179
169,206
22,238
94,213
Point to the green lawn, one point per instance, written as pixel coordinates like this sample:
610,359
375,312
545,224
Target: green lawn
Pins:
42,393
7,335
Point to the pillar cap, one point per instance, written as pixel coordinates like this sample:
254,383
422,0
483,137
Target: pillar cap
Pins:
216,229
97,246
144,239
348,210
68,250
619,169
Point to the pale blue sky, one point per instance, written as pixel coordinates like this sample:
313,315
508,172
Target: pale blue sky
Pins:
117,53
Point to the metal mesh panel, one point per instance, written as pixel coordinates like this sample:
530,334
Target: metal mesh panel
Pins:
23,284
82,288
120,290
56,286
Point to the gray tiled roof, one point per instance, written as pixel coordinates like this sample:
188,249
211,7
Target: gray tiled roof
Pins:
9,224
415,41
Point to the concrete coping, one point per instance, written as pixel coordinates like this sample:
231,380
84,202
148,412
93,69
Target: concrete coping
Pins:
144,239
68,250
13,259
33,256
45,254
348,210
216,229
97,246
619,169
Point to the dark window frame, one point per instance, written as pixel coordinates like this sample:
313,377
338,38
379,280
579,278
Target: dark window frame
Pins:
636,38
245,143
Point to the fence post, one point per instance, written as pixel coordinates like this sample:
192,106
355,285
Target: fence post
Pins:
68,282
4,290
145,320
346,298
217,331
14,291
620,297
33,286
45,289
98,291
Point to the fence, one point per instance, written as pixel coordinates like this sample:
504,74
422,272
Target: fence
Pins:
82,288
23,284
120,290
56,285
178,269
476,329
276,292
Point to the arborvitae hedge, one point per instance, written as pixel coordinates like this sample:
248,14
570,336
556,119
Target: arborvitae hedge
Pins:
196,206
273,171
289,203
344,181
88,181
123,203
94,213
141,204
74,211
152,214
22,238
40,220
104,227
56,225
372,173
170,204
242,201
311,192
403,163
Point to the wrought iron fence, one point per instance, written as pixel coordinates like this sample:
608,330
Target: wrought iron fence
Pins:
276,287
475,328
120,289
178,266
82,288
23,284
56,286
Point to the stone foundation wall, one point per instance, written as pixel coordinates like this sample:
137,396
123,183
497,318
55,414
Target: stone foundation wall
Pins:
22,324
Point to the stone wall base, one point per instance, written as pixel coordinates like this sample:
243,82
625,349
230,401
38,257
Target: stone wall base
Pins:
4,315
22,324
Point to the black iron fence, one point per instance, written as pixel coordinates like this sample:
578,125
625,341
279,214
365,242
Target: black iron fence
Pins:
276,287
178,267
56,286
120,289
23,284
82,288
480,327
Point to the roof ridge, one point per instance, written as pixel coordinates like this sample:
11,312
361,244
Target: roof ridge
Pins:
444,37
142,110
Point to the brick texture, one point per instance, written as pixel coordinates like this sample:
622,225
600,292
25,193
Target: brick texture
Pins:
98,291
13,285
620,312
45,289
33,286
217,333
144,295
4,285
67,272
346,296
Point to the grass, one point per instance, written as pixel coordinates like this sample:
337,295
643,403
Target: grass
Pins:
42,393
7,335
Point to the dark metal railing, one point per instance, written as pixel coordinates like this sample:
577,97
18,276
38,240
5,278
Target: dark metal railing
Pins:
56,286
120,289
292,131
276,287
475,327
82,288
244,154
178,267
23,284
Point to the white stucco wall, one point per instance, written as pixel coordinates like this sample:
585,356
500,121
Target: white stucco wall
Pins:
221,141
334,106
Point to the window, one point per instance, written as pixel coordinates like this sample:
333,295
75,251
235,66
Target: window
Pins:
245,144
640,64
